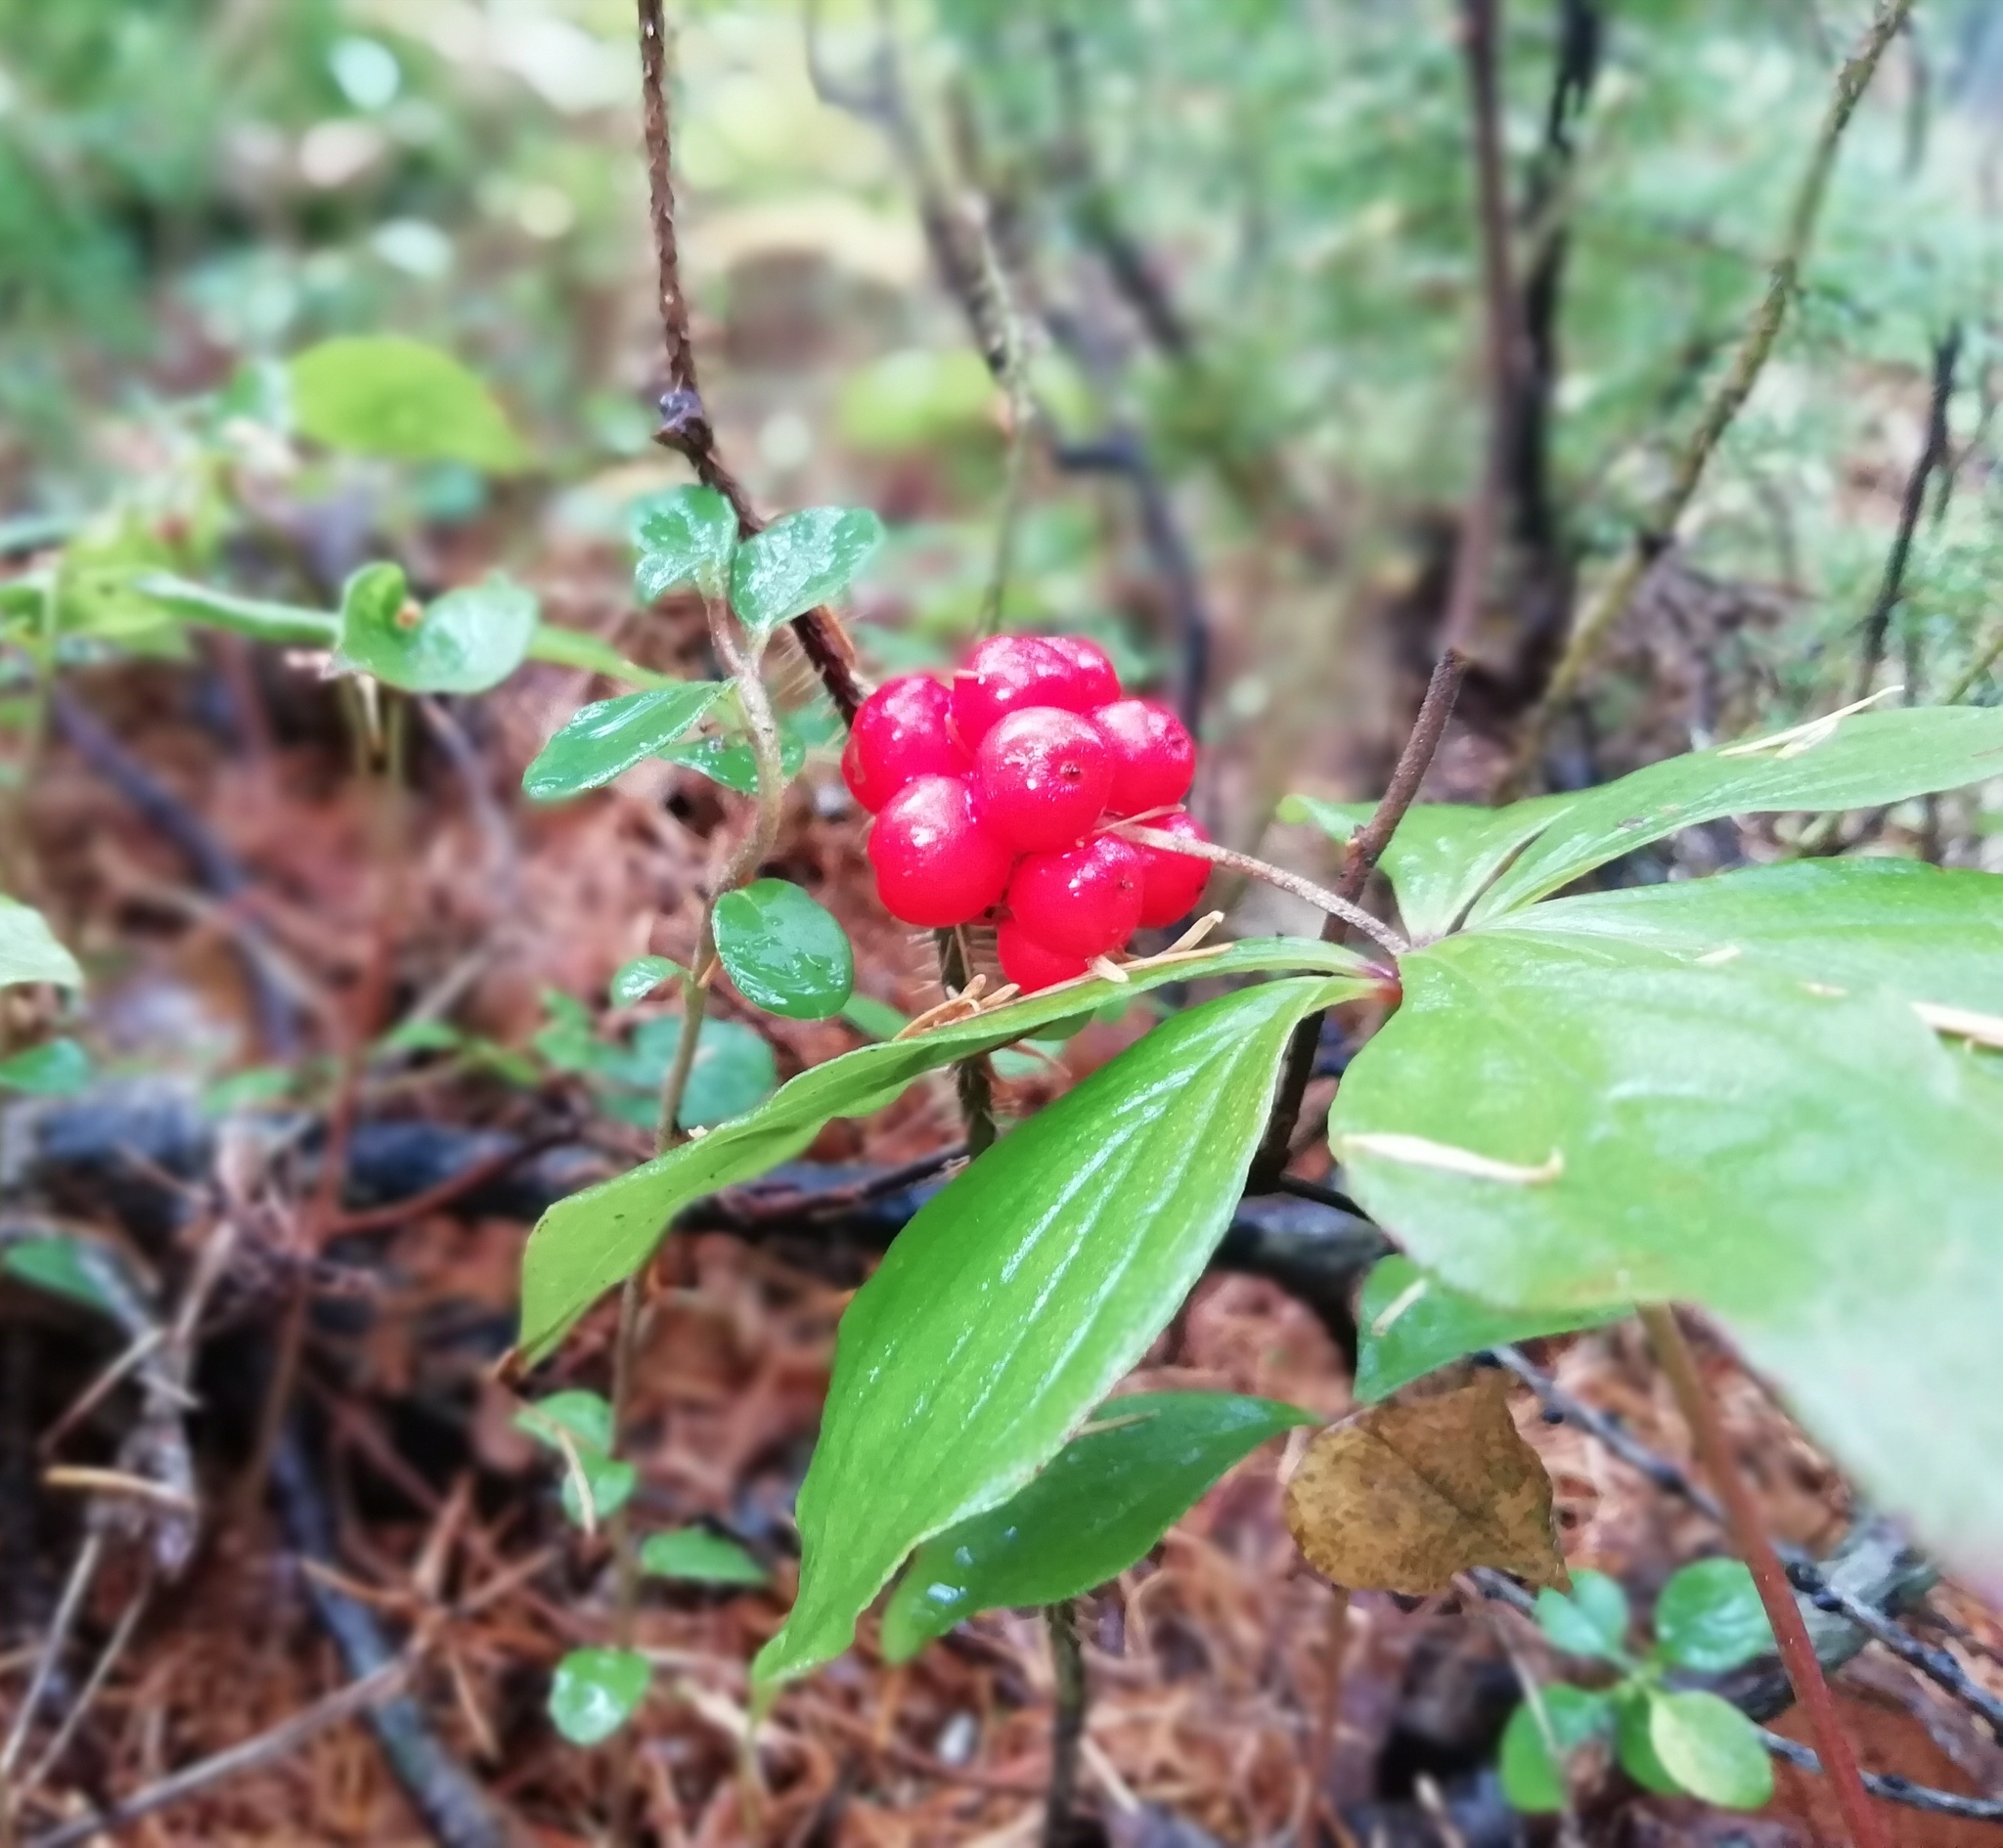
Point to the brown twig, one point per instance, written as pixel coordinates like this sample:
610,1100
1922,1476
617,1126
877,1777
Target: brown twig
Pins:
1776,1594
685,419
1067,1721
1657,530
1933,451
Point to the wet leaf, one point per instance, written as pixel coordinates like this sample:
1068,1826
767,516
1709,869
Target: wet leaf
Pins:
729,761
595,1692
699,1556
1408,1323
784,951
1401,1497
610,737
1710,1618
1710,1748
467,641
638,978
1575,1717
800,561
687,536
384,395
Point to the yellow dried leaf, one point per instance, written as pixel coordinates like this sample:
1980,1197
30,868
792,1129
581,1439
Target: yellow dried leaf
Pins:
1401,1497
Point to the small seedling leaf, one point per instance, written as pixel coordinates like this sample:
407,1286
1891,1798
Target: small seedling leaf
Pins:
1575,1716
1710,1748
785,950
1710,1618
699,1556
467,641
595,1692
1591,1619
687,536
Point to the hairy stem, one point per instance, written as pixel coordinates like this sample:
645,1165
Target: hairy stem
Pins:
1776,1594
1657,530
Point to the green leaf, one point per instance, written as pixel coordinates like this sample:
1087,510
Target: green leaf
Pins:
56,1068
1927,934
798,562
595,1692
1408,1323
1442,853
687,536
785,950
1102,1503
468,640
1710,1618
1710,1748
283,625
731,762
874,1019
384,395
1861,761
1633,1745
612,1484
1592,1620
1554,1121
572,648
1022,1291
30,951
592,1241
1576,1716
732,1070
61,1267
638,978
611,735
700,1558
586,1418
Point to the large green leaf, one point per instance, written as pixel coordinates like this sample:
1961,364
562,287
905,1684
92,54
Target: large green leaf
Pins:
784,950
1860,762
1106,1498
1553,1121
799,561
1930,935
1021,1293
610,737
587,1244
468,640
1408,1323
30,951
687,536
384,395
1442,853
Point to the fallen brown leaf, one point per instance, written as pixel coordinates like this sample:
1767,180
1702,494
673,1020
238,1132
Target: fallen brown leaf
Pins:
1401,1497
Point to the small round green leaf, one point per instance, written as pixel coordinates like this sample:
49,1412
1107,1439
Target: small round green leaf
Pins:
683,537
1633,1746
584,1417
732,1071
468,640
1710,1618
1591,1622
784,951
638,978
799,561
731,762
611,735
699,1558
610,1481
1711,1750
56,1068
595,1692
1531,1781
384,395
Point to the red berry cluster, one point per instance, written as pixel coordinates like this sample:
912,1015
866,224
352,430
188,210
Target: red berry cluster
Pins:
990,795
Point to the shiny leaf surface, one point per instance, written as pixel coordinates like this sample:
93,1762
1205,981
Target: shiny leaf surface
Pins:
687,536
800,561
595,1692
784,950
467,641
610,737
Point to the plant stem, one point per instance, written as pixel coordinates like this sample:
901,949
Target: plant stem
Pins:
1318,895
1658,530
1986,656
971,1081
1067,1720
1749,1537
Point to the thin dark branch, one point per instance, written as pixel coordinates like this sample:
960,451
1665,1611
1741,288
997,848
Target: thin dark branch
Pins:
1933,451
1367,847
1067,1722
684,418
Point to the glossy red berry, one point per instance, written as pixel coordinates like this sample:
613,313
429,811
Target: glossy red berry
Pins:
1027,963
1154,757
1040,778
1006,673
1084,901
902,731
1172,883
1097,679
935,864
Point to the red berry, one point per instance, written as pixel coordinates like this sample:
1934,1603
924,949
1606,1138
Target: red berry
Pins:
1084,901
1006,671
1172,883
902,731
1040,777
935,864
1097,675
1028,964
1154,757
